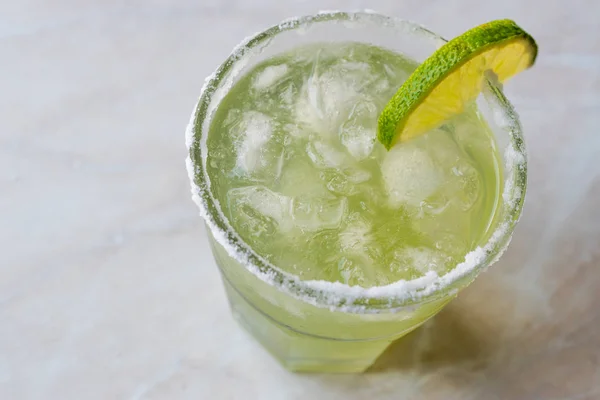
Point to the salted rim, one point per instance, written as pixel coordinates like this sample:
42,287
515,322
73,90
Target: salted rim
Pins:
335,295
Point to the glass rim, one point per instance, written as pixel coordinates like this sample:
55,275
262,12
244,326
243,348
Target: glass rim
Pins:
335,295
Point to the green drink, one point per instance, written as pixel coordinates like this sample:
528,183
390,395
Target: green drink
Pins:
295,165
330,246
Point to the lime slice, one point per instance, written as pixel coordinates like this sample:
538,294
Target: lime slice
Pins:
452,77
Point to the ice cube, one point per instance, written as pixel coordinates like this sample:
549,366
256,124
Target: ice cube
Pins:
350,272
260,147
464,185
259,211
318,213
269,76
410,174
467,128
345,181
299,177
294,131
392,72
307,110
462,181
356,236
287,95
421,259
356,175
324,155
450,243
345,66
338,183
358,133
358,253
340,86
327,97
382,86
234,117
448,230
254,131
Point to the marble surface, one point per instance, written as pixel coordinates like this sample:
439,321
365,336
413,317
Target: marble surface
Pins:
107,286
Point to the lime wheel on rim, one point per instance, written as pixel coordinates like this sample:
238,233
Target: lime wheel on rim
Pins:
452,77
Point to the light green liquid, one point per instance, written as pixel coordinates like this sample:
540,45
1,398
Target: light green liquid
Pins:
294,162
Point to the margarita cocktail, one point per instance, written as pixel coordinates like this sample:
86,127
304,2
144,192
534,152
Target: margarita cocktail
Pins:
330,245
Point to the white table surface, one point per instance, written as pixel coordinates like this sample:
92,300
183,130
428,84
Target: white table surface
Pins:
107,286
